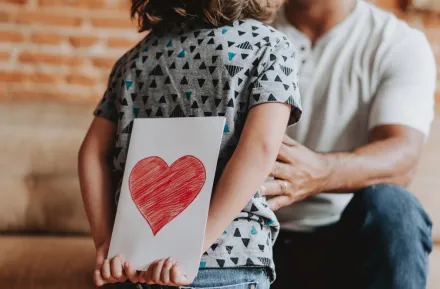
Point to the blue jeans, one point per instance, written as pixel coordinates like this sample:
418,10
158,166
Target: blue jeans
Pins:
381,242
224,278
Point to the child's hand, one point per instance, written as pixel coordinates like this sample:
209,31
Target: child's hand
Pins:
108,270
165,272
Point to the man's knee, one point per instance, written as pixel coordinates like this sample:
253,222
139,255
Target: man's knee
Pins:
395,214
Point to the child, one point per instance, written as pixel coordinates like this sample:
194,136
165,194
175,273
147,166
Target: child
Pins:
203,58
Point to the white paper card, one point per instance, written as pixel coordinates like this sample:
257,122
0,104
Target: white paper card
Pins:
166,190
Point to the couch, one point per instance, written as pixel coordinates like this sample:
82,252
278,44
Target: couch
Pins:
44,235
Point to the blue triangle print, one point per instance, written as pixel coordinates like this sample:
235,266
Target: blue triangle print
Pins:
224,30
170,44
128,84
202,264
181,54
146,49
225,233
136,111
226,129
254,231
231,55
188,94
269,222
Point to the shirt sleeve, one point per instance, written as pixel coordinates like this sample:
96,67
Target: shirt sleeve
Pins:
405,94
106,108
276,79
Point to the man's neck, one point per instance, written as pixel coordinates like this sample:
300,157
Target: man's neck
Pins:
316,17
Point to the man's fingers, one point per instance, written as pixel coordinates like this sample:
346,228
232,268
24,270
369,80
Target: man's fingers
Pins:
275,188
287,140
116,268
132,274
278,202
281,171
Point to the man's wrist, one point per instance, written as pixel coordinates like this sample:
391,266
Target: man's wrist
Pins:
334,181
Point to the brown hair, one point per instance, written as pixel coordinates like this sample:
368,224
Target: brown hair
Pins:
216,12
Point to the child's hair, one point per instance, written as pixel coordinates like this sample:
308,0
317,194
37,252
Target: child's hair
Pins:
216,12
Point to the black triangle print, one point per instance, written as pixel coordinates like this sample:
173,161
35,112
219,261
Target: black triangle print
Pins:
159,112
256,62
133,65
201,82
148,112
234,260
128,128
170,52
258,44
254,208
212,69
221,262
140,85
211,34
186,66
217,102
167,80
214,59
204,98
155,43
247,73
221,114
229,249
273,57
256,97
133,96
245,241
231,103
245,45
244,56
240,22
265,261
241,33
184,81
192,115
145,98
255,34
192,48
278,79
249,262
195,105
202,66
177,112
122,83
236,93
240,81
261,247
173,65
214,246
121,115
211,41
174,97
237,233
157,71
215,82
233,70
153,84
254,28
205,254
242,105
208,113
144,58
287,70
200,41
197,56
286,87
226,87
183,39
264,77
138,73
285,58
267,39
230,43
136,56
196,34
162,99
272,98
159,55
271,68
220,47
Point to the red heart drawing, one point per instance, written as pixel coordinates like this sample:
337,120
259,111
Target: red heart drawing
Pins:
161,192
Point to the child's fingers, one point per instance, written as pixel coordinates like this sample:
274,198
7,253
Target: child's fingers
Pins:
106,272
131,273
157,271
166,271
142,277
116,269
147,274
177,278
97,278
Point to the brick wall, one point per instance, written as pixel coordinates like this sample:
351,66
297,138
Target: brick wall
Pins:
63,49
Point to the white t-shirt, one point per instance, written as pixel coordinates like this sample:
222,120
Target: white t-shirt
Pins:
372,69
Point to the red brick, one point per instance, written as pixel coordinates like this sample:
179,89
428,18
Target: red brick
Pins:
81,79
20,2
45,78
41,17
4,55
38,94
57,59
11,76
95,4
120,42
102,62
7,16
46,38
11,36
83,41
113,22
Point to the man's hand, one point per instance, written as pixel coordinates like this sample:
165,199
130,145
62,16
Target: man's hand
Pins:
298,172
165,272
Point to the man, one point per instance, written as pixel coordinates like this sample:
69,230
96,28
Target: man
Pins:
367,82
